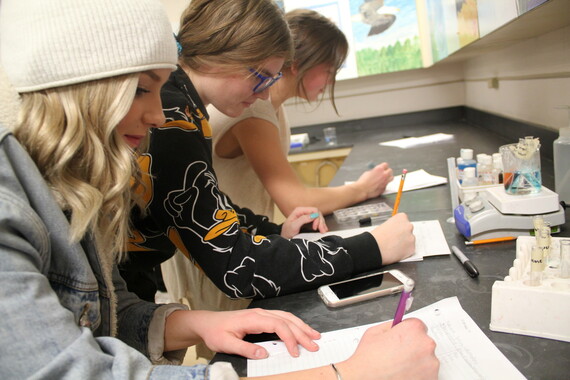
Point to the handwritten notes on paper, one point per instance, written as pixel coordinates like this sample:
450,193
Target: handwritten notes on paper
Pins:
463,349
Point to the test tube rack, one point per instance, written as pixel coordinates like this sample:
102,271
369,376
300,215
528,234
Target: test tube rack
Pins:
541,311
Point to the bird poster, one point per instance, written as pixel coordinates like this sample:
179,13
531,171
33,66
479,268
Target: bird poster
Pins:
383,34
493,14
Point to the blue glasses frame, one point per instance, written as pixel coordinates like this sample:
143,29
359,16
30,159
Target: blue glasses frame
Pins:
264,81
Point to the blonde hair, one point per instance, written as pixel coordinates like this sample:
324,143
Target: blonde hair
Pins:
233,34
317,41
70,134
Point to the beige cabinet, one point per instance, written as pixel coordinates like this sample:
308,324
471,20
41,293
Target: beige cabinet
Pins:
318,168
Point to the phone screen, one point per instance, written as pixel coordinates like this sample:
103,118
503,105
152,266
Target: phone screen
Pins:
365,285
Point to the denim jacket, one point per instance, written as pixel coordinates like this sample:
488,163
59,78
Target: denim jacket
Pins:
62,314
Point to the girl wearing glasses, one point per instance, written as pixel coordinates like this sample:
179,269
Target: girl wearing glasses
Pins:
261,162
231,52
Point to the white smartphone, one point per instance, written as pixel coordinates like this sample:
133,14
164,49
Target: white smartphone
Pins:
362,288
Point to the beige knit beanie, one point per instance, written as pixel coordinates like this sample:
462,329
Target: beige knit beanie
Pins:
53,43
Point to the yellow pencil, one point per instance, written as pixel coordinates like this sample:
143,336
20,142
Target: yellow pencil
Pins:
397,203
495,240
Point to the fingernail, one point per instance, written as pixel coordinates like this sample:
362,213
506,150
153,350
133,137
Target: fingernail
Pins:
314,215
260,353
295,352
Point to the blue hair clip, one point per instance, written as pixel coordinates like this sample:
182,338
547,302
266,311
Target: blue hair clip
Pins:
178,46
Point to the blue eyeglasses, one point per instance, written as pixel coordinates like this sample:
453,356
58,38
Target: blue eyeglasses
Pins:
264,82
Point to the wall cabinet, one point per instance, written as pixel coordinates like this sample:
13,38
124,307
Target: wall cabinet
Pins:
317,169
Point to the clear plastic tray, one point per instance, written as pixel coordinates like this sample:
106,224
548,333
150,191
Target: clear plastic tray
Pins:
355,213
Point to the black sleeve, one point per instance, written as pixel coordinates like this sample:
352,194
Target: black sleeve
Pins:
239,251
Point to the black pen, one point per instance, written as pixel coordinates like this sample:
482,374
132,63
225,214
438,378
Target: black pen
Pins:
467,264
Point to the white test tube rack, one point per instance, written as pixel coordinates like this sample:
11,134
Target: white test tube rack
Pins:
541,311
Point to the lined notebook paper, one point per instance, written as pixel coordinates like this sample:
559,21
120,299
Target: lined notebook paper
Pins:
463,349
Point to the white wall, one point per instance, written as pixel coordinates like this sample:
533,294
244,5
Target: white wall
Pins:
533,78
174,9
386,94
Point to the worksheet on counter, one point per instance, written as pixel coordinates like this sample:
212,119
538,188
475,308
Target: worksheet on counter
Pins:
417,179
463,350
410,142
430,240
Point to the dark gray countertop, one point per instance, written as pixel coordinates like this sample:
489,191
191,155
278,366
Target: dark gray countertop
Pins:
436,277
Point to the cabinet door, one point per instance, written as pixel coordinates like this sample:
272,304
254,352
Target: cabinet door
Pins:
317,169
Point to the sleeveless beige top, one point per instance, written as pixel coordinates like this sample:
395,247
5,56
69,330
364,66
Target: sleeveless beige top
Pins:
236,177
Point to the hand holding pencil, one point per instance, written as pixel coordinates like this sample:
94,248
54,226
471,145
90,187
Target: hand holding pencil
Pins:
399,195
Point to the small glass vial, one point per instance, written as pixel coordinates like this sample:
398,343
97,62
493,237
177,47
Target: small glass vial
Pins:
545,243
553,260
537,222
565,258
497,168
485,170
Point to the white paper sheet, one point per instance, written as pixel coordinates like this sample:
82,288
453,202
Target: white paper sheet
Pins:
417,179
409,142
430,240
463,350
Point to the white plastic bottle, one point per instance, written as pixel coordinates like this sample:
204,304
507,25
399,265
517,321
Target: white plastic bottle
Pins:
561,153
466,162
479,159
469,178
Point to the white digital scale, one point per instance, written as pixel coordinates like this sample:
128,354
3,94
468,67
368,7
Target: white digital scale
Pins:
495,214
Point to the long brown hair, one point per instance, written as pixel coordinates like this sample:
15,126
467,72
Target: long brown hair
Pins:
317,40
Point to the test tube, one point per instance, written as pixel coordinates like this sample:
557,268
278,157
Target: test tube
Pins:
565,258
538,222
554,255
536,266
543,242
